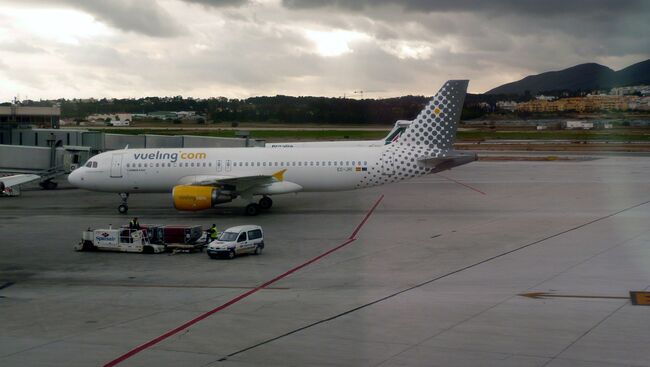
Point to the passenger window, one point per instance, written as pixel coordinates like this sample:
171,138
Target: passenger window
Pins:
254,234
335,163
276,164
242,237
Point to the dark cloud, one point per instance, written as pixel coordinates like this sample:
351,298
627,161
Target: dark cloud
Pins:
141,16
240,48
218,3
533,8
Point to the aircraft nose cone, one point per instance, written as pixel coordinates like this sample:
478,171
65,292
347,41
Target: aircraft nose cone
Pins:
75,178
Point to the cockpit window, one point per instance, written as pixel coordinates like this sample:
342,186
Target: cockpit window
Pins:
94,164
89,164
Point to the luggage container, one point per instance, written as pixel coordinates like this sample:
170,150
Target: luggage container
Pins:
120,239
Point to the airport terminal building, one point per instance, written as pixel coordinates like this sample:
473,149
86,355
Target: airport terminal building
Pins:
16,116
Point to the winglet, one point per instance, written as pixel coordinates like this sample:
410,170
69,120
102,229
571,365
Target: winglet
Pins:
279,175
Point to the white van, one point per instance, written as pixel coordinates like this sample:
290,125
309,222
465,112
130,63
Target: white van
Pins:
248,239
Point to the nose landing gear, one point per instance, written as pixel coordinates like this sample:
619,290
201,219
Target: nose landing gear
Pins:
124,207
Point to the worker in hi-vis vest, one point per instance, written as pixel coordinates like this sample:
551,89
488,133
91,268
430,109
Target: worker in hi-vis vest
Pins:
213,233
134,224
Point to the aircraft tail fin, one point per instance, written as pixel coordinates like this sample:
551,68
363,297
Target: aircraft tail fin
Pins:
434,129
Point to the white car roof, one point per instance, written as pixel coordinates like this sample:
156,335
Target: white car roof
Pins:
247,227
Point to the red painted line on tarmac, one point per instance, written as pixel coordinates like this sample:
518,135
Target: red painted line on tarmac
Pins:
353,236
462,184
205,315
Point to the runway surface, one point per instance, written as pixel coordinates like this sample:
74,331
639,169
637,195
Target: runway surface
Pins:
432,278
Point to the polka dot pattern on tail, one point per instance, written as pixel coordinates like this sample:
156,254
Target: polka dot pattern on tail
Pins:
431,134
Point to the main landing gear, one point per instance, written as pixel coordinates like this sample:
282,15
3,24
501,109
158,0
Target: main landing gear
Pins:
124,207
265,203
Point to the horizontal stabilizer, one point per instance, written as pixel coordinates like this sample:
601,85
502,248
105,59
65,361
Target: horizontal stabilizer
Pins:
454,159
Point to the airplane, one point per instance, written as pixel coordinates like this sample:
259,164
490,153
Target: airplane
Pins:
393,136
200,179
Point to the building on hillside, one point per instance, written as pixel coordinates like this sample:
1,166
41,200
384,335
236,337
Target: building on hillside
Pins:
640,104
579,104
622,91
507,105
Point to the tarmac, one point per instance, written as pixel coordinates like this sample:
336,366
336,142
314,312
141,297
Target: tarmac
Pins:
432,277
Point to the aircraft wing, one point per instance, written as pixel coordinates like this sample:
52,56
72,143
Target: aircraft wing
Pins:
242,183
14,180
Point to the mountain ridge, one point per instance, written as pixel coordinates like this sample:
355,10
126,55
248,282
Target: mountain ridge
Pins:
582,77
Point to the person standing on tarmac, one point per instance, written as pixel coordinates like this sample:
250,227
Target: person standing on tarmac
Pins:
212,233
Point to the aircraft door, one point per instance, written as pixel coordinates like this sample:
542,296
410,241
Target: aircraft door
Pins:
219,166
116,165
228,165
387,163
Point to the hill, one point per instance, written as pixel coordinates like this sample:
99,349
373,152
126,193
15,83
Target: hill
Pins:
636,74
583,77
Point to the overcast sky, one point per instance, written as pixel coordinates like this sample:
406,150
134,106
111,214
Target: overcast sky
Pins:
242,48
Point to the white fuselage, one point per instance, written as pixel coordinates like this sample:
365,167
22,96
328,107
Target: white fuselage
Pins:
159,170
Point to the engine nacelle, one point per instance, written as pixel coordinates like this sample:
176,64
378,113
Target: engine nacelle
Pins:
194,198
